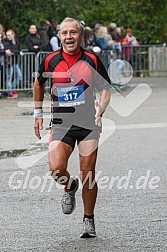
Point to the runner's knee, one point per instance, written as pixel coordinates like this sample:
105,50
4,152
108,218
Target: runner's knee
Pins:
58,167
87,177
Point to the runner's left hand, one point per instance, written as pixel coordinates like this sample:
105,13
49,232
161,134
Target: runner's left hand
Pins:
98,114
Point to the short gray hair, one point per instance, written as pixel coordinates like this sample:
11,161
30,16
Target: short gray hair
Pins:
68,19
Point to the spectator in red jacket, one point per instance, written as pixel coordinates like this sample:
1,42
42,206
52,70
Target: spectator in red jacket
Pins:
130,52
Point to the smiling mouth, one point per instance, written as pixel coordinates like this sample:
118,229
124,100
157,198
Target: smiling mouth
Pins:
70,42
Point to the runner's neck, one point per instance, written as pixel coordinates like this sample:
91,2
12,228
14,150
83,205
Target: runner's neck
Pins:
71,59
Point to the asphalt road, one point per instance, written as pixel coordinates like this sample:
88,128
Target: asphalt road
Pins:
131,209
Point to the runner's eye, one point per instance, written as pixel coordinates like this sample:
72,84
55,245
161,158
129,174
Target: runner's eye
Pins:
73,32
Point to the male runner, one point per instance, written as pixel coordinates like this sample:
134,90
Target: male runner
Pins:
76,75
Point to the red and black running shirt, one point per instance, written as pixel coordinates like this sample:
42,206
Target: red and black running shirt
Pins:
74,79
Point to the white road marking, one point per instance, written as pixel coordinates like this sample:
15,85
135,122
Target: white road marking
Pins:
126,126
142,126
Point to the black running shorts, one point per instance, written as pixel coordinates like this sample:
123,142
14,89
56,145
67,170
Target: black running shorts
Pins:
73,135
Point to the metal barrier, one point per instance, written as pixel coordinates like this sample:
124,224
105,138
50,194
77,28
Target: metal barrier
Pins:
147,60
28,67
16,72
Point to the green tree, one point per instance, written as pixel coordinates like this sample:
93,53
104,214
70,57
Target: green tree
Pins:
146,18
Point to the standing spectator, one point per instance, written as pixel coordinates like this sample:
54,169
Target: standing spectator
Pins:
88,39
43,33
95,26
1,63
2,39
130,51
12,50
33,40
34,44
117,56
112,31
53,39
103,39
130,39
115,33
2,32
105,42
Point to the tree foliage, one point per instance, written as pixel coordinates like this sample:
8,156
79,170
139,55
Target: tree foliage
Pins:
146,18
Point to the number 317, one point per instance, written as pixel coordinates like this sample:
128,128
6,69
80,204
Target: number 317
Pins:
70,96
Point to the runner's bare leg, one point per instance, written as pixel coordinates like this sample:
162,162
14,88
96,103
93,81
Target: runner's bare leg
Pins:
59,153
88,155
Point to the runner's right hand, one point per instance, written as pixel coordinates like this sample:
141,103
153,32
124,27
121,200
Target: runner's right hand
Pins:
38,126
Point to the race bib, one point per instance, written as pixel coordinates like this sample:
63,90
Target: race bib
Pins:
71,96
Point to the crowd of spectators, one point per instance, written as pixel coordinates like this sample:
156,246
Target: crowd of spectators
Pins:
96,37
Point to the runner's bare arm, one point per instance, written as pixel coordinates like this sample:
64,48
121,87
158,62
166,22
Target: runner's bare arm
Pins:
38,94
38,101
105,96
102,104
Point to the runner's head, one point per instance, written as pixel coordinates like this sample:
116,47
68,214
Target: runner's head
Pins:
70,34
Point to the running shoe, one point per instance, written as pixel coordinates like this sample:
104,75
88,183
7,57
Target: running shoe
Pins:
68,201
15,94
88,229
12,96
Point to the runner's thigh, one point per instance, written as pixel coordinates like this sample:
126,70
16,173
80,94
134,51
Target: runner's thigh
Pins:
88,155
59,153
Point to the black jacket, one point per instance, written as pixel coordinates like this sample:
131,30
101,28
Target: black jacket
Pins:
15,49
33,40
46,46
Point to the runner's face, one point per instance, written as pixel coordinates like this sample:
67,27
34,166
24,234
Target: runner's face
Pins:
70,36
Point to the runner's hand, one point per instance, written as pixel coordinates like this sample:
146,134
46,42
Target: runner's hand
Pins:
38,126
98,114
